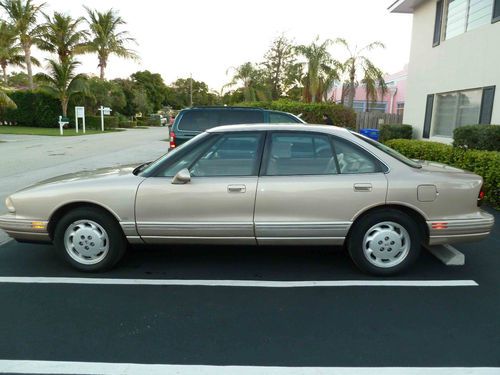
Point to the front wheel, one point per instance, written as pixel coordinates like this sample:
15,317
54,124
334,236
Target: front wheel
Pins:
385,242
89,239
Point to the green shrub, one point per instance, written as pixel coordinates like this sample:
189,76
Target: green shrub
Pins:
395,131
94,122
484,163
34,108
311,112
127,124
153,121
478,137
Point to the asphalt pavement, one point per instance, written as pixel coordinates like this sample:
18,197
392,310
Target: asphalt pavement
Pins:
304,330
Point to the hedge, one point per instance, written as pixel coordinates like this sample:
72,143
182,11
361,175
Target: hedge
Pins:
483,163
94,122
34,108
311,112
478,137
127,124
395,131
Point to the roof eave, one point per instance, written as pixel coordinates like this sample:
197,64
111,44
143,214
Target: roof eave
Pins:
404,6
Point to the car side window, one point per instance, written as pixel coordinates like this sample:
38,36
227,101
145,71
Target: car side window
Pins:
281,118
353,159
233,154
300,154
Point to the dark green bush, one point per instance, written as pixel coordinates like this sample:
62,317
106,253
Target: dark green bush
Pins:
34,108
127,124
478,137
395,131
311,112
94,122
484,163
153,121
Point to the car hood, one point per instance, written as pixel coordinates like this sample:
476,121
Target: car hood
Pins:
100,173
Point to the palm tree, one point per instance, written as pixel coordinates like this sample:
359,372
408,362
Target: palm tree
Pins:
356,61
61,35
246,76
5,101
321,71
373,80
62,82
10,51
23,16
105,39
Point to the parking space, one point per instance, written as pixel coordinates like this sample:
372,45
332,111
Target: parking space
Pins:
200,307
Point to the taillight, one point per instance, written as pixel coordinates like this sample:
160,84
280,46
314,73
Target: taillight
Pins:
172,140
480,197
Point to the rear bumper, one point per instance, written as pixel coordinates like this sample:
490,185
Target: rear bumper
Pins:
24,230
464,230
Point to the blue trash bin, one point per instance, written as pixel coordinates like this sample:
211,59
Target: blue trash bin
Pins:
371,133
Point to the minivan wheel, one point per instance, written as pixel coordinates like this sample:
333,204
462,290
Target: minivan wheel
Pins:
384,242
89,239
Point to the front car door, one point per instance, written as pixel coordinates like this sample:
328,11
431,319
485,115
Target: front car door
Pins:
217,205
311,187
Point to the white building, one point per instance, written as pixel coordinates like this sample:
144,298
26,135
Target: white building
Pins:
454,65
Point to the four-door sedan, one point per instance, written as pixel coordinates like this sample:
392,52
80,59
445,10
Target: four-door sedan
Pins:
258,185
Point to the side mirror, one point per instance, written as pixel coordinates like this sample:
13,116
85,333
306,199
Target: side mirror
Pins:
182,177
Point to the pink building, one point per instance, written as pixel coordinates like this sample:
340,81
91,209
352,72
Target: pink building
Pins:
392,102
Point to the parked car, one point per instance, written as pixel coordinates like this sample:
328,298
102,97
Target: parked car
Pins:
258,185
193,121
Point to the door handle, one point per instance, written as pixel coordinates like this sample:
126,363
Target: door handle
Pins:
363,187
236,188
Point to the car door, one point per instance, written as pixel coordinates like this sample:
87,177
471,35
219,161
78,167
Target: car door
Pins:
311,187
216,205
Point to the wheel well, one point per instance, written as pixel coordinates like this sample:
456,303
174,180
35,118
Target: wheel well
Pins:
63,210
415,215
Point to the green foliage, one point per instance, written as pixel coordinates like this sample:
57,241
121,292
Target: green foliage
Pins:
177,95
94,122
395,131
478,137
312,112
34,108
101,92
484,163
154,87
127,124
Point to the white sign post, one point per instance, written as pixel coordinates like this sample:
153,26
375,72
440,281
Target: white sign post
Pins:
80,113
61,124
104,111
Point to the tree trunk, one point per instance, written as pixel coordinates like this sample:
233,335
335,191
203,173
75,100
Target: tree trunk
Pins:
352,88
367,107
64,106
102,66
27,61
4,70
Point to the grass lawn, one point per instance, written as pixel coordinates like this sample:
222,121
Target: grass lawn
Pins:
25,130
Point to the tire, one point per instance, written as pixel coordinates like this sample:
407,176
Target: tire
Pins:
385,242
90,239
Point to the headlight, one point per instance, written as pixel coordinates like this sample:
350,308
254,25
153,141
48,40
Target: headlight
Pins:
10,205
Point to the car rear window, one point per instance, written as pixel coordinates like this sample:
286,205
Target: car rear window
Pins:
201,120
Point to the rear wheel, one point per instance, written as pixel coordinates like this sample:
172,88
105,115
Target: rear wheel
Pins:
90,239
385,242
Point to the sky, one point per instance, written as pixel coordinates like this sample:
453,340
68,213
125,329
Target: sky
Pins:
206,38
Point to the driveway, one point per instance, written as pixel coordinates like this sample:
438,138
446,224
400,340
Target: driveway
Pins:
27,159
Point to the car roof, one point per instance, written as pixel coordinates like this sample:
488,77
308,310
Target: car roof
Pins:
223,107
270,127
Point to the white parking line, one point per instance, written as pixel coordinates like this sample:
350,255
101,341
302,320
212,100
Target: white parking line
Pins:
239,283
91,368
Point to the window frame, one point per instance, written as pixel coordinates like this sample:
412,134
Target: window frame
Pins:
382,167
444,20
208,141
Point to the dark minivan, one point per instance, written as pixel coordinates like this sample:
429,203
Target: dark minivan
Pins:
193,121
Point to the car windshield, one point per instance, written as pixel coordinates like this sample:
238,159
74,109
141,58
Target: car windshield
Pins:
146,171
389,151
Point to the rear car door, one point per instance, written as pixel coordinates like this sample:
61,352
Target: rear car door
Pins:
311,187
216,206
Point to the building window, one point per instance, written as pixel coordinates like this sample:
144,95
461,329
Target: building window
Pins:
360,106
455,109
400,108
465,15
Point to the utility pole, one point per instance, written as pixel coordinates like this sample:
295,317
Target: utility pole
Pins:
191,90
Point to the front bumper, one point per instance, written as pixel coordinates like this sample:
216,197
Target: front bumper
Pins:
463,230
25,229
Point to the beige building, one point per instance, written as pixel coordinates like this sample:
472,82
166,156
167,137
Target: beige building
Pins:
454,65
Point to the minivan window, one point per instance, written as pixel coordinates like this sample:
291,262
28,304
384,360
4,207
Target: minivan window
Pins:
281,118
201,120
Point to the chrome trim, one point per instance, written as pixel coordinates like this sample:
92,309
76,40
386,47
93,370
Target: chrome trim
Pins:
199,240
129,228
306,230
20,225
441,240
461,227
300,240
